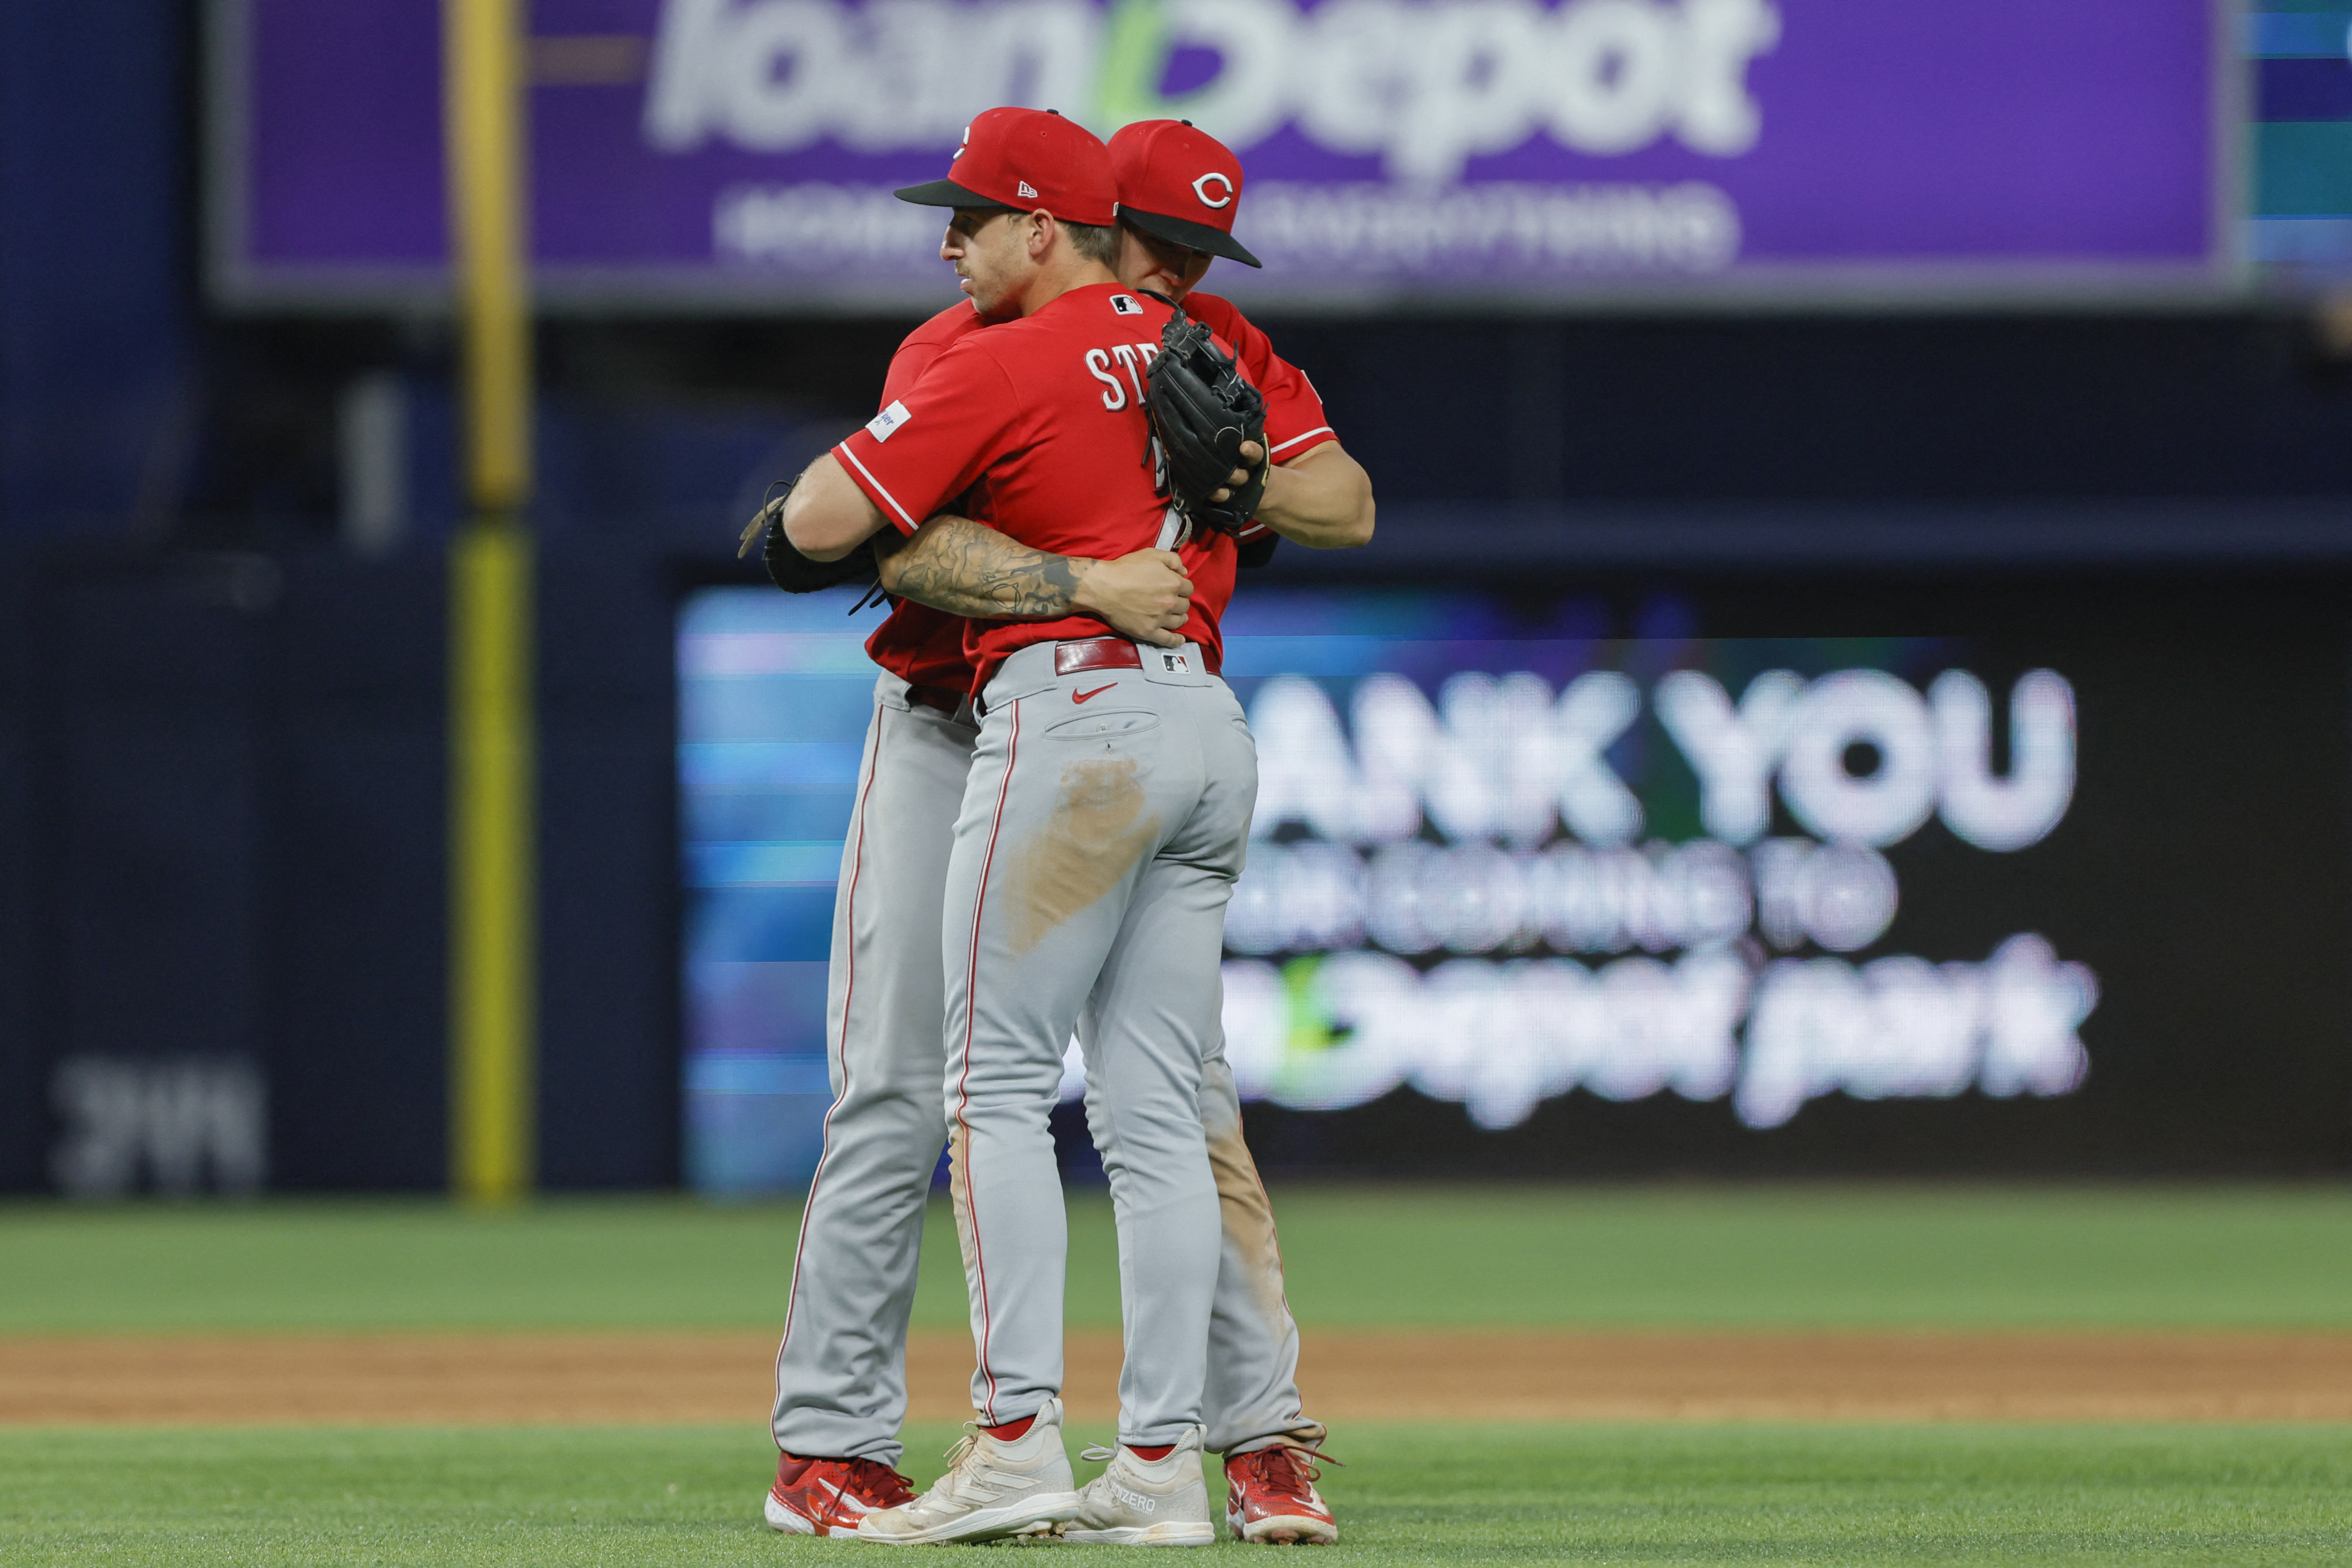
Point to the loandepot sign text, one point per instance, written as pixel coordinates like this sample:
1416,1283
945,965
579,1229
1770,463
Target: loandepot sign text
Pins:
1422,87
748,148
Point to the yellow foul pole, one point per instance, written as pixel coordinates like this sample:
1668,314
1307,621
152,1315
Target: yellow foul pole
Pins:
493,872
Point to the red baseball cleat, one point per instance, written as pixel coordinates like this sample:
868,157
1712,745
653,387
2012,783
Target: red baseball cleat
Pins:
1270,1499
828,1496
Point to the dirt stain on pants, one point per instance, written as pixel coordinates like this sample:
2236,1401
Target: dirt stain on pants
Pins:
1248,1220
959,1194
1090,843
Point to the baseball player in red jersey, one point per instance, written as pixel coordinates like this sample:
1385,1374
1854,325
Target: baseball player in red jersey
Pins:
1178,190
1096,869
840,1386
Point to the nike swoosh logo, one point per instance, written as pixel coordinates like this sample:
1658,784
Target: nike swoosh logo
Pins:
1098,692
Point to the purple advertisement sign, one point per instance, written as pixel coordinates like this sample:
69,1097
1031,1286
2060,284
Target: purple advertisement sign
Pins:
702,152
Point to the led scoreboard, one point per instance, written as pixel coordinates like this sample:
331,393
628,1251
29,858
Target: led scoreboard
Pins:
1537,887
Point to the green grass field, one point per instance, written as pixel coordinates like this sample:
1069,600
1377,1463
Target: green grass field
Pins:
1755,1257
1687,1493
540,1498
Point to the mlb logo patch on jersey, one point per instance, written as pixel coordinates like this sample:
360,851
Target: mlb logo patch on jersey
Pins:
1176,664
1125,305
889,419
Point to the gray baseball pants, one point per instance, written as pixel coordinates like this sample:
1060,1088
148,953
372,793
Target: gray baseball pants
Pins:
841,1389
1104,822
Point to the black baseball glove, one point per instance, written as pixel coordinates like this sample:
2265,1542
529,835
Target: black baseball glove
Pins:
1202,411
792,570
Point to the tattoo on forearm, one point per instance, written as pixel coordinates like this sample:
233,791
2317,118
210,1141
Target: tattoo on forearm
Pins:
969,569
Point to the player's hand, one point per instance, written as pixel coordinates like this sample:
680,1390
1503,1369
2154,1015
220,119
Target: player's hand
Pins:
1252,454
1145,595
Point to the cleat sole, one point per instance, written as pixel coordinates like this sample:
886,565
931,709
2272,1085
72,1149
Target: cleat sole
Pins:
1031,1515
1167,1533
1284,1530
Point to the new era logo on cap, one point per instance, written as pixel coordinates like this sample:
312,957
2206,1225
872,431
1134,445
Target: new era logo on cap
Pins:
1026,159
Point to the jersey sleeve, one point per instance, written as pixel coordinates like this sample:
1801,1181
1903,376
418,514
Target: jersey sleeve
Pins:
925,449
1294,421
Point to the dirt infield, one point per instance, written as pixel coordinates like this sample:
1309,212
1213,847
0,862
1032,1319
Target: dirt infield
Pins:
466,1379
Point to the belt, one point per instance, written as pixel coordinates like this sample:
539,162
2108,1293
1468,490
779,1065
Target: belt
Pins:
939,698
1096,653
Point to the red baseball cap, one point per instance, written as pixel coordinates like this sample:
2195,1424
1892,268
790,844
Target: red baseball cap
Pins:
1180,184
1025,159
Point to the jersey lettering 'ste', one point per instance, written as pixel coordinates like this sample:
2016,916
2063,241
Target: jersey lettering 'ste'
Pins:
1134,360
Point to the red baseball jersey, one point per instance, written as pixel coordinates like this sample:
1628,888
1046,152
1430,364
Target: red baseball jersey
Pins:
926,343
1038,426
925,645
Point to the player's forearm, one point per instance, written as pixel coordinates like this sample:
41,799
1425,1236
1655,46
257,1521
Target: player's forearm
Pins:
967,568
1323,500
827,516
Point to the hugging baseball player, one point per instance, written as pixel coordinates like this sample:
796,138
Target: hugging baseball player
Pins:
1077,873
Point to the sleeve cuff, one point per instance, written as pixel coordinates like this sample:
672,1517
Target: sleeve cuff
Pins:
897,516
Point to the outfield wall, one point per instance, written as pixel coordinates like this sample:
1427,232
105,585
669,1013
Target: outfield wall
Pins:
224,791
221,809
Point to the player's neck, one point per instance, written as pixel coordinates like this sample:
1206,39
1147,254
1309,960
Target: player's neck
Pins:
1060,275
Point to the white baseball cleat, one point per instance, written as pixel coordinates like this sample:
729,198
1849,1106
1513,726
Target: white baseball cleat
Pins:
1146,1502
992,1489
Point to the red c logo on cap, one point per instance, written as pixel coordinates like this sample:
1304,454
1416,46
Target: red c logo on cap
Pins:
1199,189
